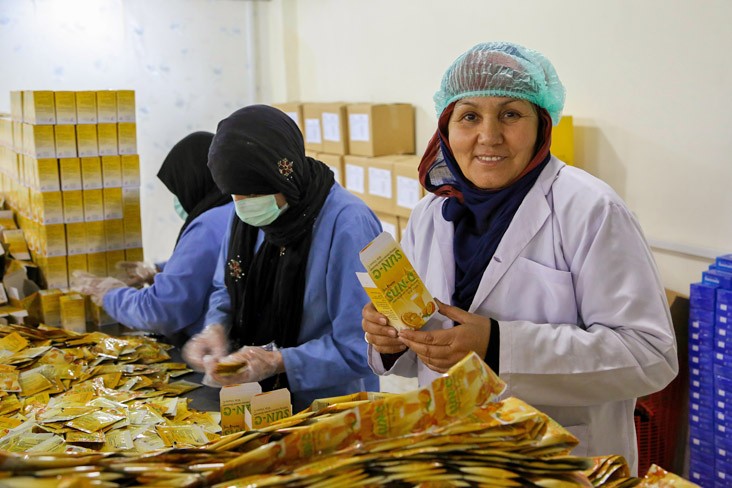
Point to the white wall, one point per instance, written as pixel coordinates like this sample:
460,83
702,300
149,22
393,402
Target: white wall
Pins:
648,83
189,61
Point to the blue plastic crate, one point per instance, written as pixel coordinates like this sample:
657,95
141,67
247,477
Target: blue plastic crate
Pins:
723,296
722,371
720,333
724,261
723,359
722,279
722,321
702,426
703,335
701,315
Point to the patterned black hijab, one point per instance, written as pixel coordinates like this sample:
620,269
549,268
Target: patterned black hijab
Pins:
185,174
259,150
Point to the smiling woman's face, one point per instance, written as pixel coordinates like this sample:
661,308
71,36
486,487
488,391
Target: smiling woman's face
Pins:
493,139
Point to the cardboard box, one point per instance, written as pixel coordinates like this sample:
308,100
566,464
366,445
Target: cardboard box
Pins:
293,110
380,185
91,173
407,189
52,240
73,206
65,104
127,138
16,106
402,222
114,233
107,139
563,140
73,312
39,141
70,170
95,239
335,128
125,105
86,140
39,107
97,263
390,224
114,257
313,133
134,254
65,138
111,171
380,129
93,205
130,170
113,208
355,173
46,173
76,262
335,163
76,238
86,107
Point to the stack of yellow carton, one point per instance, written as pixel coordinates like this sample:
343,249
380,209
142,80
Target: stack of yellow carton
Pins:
69,168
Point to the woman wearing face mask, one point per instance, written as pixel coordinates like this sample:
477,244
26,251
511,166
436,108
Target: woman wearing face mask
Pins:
287,271
175,303
541,268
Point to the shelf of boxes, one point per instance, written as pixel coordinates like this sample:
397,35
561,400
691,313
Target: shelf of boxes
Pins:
69,169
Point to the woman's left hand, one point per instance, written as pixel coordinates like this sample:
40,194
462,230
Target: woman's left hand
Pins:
441,349
257,364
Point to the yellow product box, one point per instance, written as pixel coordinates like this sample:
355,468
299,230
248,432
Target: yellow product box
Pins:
114,234
16,105
389,224
293,110
91,173
86,140
52,239
6,131
133,232
235,401
7,220
65,137
97,315
54,271
86,107
407,188
76,238
76,262
313,133
38,107
127,137
114,257
48,207
354,174
130,170
131,217
46,173
335,163
380,129
111,171
18,136
73,312
107,138
125,105
393,285
70,170
65,103
335,130
50,306
73,206
38,141
16,244
106,106
134,254
95,240
112,203
268,408
93,205
97,263
563,140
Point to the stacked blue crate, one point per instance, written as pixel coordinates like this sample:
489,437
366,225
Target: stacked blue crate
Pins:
710,380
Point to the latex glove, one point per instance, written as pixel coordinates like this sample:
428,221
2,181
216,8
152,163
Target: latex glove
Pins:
208,346
137,273
258,364
94,286
441,349
377,331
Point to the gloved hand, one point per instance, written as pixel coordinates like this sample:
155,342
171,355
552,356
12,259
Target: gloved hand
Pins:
206,347
136,273
94,286
257,364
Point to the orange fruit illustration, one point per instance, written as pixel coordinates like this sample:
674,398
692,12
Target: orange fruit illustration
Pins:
429,309
412,319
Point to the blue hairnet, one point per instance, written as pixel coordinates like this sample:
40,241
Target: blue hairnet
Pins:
502,69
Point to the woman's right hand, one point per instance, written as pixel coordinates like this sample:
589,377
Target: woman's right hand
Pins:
382,336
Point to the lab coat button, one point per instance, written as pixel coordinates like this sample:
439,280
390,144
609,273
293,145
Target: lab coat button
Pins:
496,259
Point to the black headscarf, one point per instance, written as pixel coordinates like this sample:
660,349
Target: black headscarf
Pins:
186,175
259,150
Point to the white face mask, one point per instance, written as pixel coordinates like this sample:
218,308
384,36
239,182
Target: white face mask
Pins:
258,211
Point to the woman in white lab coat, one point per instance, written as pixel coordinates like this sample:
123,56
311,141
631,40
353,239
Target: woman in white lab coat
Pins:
542,266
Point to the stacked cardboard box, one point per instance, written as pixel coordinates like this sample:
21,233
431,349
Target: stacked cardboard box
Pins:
69,168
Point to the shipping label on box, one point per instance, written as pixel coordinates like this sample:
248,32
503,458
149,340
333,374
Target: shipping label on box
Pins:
73,206
114,234
112,203
293,110
355,178
125,105
268,408
93,205
127,137
39,141
65,137
47,172
76,238
70,169
86,140
73,312
91,173
86,107
408,190
380,184
107,139
335,130
381,129
235,402
130,170
111,171
393,285
312,131
106,106
38,107
65,102
53,240
97,263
